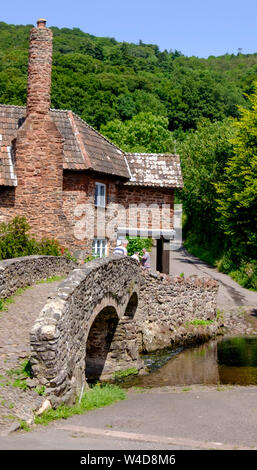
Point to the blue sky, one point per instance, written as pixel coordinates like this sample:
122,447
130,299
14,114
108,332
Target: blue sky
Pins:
195,27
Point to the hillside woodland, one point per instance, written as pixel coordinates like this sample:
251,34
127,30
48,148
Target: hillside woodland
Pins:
147,100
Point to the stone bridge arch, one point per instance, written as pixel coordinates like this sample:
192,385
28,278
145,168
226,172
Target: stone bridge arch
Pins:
88,330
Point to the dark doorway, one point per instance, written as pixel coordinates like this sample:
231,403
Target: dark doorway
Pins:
162,256
99,342
166,257
159,252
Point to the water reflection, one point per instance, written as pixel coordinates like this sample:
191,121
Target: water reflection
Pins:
227,361
237,361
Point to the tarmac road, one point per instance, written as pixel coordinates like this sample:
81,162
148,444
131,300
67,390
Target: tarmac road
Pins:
178,418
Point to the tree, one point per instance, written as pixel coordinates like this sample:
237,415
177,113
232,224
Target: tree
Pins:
237,194
204,153
145,132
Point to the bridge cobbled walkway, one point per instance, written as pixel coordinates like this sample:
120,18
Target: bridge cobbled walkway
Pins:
18,395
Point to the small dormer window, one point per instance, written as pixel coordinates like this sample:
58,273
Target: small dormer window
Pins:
100,195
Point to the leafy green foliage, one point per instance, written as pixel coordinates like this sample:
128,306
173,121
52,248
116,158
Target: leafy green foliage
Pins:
15,241
237,194
204,153
137,244
101,79
220,195
145,132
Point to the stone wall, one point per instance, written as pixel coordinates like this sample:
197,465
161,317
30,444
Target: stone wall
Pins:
166,307
25,271
63,344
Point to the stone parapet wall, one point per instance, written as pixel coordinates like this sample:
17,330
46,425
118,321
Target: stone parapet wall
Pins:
27,270
166,307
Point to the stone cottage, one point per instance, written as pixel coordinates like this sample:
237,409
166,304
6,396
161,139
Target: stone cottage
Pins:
70,182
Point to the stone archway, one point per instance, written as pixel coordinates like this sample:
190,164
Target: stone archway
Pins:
87,330
99,342
111,344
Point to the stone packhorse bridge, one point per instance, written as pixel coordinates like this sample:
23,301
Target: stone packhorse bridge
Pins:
104,314
88,331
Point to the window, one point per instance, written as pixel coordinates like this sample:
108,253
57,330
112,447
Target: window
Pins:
99,247
100,194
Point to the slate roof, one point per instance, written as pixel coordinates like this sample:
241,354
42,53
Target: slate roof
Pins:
86,149
156,170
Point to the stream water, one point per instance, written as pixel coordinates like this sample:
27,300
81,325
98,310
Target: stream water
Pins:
230,360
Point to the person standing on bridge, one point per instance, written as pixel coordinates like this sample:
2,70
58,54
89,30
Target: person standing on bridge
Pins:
136,256
145,260
121,249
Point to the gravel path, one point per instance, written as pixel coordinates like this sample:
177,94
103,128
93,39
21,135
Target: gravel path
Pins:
15,325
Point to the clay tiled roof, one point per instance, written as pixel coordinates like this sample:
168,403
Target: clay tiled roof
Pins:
156,170
87,149
10,119
84,147
104,156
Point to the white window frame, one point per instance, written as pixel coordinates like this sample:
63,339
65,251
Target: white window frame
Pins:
99,247
100,199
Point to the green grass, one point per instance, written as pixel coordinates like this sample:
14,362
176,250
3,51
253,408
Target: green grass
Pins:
10,300
17,377
199,322
51,279
122,374
24,426
96,397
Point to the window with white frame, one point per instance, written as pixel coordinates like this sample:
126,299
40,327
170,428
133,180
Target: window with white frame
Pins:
99,247
100,195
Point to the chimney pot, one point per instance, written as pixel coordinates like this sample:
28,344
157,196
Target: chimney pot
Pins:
41,23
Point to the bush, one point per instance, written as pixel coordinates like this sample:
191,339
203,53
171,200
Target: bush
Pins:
246,275
15,241
137,244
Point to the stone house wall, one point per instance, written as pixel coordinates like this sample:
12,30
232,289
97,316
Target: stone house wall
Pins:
79,192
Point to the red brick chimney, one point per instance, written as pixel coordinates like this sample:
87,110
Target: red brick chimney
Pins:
39,69
39,145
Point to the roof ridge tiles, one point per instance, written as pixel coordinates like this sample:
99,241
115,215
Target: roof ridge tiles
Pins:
11,106
152,153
